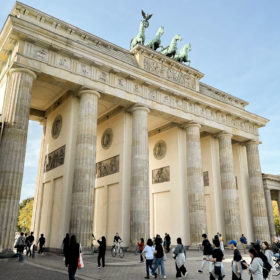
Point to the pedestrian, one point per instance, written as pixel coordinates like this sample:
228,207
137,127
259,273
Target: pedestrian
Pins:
236,263
141,245
266,265
101,251
207,251
20,244
269,255
243,241
42,241
149,255
256,265
217,270
221,242
180,259
73,257
29,241
159,258
275,247
167,238
65,246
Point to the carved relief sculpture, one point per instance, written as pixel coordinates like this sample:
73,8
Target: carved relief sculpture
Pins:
160,149
107,138
108,166
56,127
54,159
161,175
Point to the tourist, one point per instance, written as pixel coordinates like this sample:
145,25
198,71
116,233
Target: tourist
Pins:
42,241
159,258
221,242
217,268
207,251
266,265
275,247
167,239
65,246
243,241
180,259
29,241
20,244
73,257
236,263
101,251
269,255
141,245
149,255
117,238
256,266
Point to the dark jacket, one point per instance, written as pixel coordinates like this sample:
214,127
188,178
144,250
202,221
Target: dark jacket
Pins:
102,247
73,253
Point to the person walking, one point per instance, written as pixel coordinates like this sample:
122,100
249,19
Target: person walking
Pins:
65,246
141,245
167,238
236,263
101,251
42,241
256,265
243,241
221,242
207,251
159,259
269,255
149,255
73,257
217,270
20,244
29,241
266,266
180,259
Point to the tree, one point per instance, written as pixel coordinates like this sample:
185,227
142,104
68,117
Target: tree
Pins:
276,216
25,215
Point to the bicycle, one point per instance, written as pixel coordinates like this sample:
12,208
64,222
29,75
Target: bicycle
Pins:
117,249
276,272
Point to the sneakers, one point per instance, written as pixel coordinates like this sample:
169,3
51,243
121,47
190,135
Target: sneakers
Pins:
200,271
147,277
186,274
155,275
164,276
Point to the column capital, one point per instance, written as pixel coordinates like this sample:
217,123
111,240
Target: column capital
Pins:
24,70
224,134
191,124
137,106
252,142
86,90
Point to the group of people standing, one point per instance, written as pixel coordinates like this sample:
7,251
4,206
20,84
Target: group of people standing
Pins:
259,268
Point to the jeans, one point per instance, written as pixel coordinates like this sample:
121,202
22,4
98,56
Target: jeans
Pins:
159,261
204,262
141,256
149,264
71,272
102,257
276,255
28,250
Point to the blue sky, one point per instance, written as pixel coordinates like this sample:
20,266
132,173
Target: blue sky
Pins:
235,43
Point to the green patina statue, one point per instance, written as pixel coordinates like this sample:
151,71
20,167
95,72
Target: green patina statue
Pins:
156,42
182,56
140,37
171,50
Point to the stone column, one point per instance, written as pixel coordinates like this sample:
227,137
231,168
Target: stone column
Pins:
12,152
139,195
195,186
258,205
229,191
270,213
81,220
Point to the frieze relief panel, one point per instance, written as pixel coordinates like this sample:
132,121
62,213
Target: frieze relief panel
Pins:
54,159
145,91
108,166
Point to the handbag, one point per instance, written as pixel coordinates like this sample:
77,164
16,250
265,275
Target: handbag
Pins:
243,265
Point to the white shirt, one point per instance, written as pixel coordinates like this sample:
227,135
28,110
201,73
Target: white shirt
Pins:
149,252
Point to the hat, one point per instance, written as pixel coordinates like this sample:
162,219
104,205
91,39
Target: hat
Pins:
233,242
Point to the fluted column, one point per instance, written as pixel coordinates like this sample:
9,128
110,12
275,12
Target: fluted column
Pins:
81,221
270,213
12,152
258,205
140,202
197,208
229,191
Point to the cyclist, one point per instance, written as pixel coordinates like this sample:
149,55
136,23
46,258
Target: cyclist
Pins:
117,241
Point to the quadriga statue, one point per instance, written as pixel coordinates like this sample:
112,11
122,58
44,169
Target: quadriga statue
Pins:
140,37
182,56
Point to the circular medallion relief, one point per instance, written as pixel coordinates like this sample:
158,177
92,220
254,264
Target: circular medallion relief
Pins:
160,149
107,138
56,127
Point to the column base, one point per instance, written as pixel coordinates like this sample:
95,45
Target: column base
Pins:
8,254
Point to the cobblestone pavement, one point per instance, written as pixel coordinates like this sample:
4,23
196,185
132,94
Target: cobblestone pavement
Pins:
51,266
